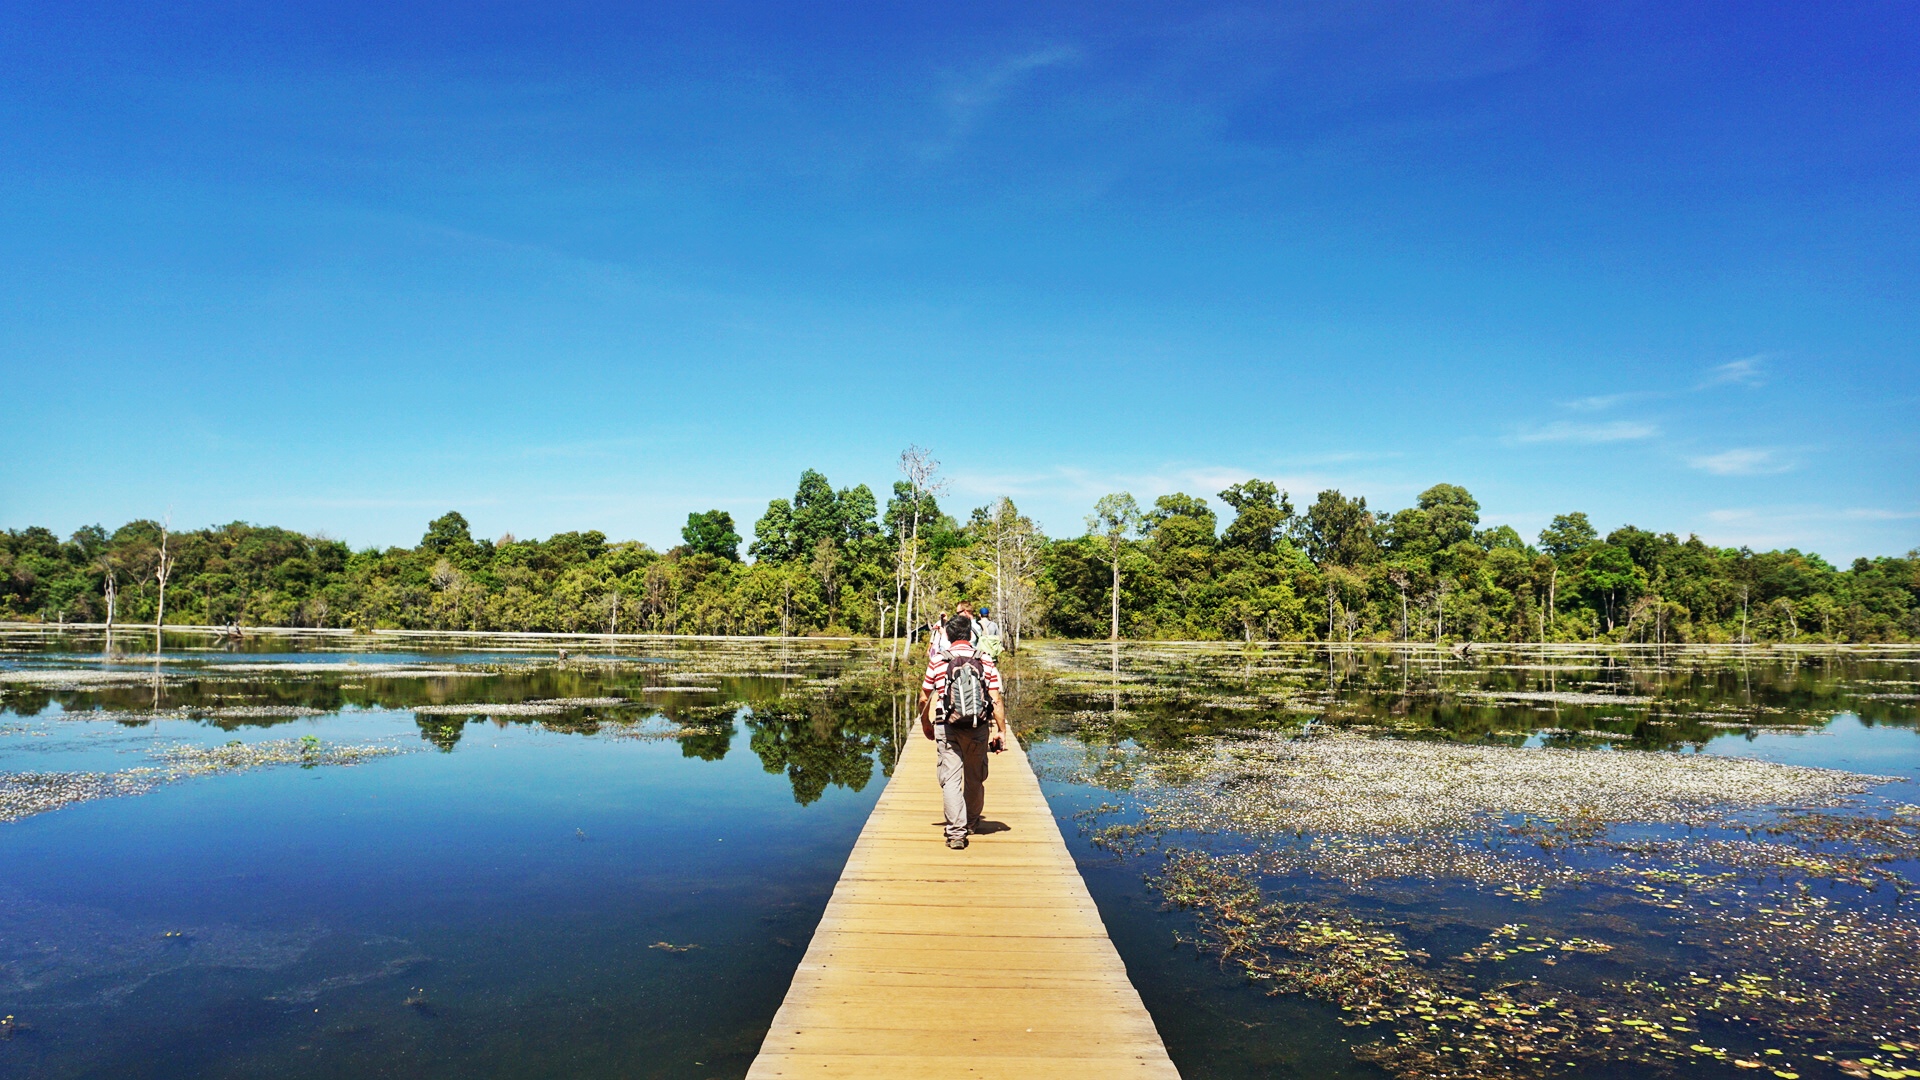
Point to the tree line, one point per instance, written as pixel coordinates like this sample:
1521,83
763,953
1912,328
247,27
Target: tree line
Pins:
833,560
1342,572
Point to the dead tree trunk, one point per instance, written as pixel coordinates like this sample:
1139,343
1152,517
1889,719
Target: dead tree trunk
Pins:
161,570
1553,585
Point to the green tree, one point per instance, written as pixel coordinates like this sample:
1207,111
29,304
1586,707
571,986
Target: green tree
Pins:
905,504
447,533
1181,521
1444,515
1181,531
1614,579
1500,537
712,533
1262,515
1339,531
858,514
773,533
794,529
816,515
1567,534
1451,514
1173,577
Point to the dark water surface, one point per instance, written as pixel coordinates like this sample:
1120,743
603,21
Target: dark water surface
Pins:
585,893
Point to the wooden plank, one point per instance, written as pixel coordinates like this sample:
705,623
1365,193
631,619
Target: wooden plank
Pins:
984,963
778,1066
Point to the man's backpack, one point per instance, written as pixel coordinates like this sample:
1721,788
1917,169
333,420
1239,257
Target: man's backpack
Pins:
966,702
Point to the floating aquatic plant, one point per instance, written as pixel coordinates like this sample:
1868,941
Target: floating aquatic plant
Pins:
1475,907
23,794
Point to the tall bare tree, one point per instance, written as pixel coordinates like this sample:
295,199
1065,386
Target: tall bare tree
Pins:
1553,588
826,567
921,471
1114,519
111,586
998,523
1793,624
1400,582
162,569
1007,546
1020,543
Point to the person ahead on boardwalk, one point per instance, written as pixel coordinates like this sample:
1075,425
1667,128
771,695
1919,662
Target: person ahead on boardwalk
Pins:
963,711
987,635
937,636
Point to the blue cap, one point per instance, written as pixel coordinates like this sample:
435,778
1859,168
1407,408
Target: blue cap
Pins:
985,610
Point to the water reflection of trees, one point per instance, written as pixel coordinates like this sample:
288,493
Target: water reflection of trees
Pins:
812,753
831,737
820,736
1159,696
707,745
706,731
443,731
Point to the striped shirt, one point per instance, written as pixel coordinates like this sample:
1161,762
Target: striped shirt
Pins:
936,678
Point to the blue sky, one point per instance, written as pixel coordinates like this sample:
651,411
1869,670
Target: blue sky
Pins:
560,266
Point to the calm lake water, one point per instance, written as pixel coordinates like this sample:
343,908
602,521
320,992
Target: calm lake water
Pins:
573,894
610,866
1681,911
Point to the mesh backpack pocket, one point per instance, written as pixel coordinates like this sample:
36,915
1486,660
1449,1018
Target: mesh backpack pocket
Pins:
967,704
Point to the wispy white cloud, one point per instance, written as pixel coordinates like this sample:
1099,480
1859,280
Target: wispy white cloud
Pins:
970,96
1742,461
1828,530
1747,371
1566,431
1773,527
1599,402
966,99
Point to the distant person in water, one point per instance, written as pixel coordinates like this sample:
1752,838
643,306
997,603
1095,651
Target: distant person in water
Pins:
963,711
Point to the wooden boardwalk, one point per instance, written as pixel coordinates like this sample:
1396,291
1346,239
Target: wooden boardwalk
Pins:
984,963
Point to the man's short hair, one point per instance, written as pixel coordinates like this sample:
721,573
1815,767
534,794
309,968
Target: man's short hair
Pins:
959,628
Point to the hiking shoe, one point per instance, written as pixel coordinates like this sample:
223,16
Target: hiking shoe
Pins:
957,843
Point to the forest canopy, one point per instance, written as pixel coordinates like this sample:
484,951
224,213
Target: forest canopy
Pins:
1251,566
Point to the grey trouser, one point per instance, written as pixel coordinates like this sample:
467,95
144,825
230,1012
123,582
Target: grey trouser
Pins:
962,768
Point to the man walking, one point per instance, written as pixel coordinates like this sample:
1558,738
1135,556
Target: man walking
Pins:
963,711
